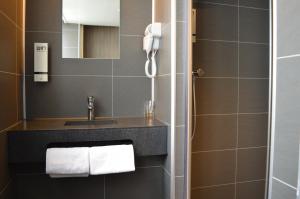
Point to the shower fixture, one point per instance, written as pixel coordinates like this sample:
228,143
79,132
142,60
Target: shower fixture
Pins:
196,73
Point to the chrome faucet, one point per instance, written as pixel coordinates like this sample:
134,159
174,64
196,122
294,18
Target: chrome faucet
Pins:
91,108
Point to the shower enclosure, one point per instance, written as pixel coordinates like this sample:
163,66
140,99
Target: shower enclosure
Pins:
246,140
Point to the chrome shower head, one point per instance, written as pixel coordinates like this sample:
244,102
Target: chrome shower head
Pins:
198,73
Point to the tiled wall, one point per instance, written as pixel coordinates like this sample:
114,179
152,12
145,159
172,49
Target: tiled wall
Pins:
119,86
287,108
230,145
11,64
146,182
181,97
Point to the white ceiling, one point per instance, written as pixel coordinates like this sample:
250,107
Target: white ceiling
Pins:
92,12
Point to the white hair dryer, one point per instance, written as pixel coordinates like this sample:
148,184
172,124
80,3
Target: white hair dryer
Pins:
151,46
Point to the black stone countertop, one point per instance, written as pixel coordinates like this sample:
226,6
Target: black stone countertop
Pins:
59,124
29,140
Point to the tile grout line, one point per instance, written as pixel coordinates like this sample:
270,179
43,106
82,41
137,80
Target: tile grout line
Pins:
226,184
230,114
231,41
236,78
59,32
230,149
232,5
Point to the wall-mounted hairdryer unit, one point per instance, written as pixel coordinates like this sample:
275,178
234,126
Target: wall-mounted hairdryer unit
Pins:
151,46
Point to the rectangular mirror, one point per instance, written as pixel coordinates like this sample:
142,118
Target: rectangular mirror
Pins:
91,29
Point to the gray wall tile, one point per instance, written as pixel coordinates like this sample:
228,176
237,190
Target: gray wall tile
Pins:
163,99
180,100
166,185
65,96
213,168
217,22
251,164
133,58
217,59
164,53
42,186
130,94
43,15
216,96
254,61
280,191
135,16
253,19
215,132
128,185
253,95
180,150
250,190
287,124
288,35
253,130
181,48
255,3
217,192
179,184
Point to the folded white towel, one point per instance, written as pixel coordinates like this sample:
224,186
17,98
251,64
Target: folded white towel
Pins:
111,159
67,162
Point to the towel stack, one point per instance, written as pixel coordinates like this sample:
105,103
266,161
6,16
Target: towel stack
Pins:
85,161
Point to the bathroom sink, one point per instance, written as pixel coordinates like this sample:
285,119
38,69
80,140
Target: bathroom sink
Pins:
92,122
